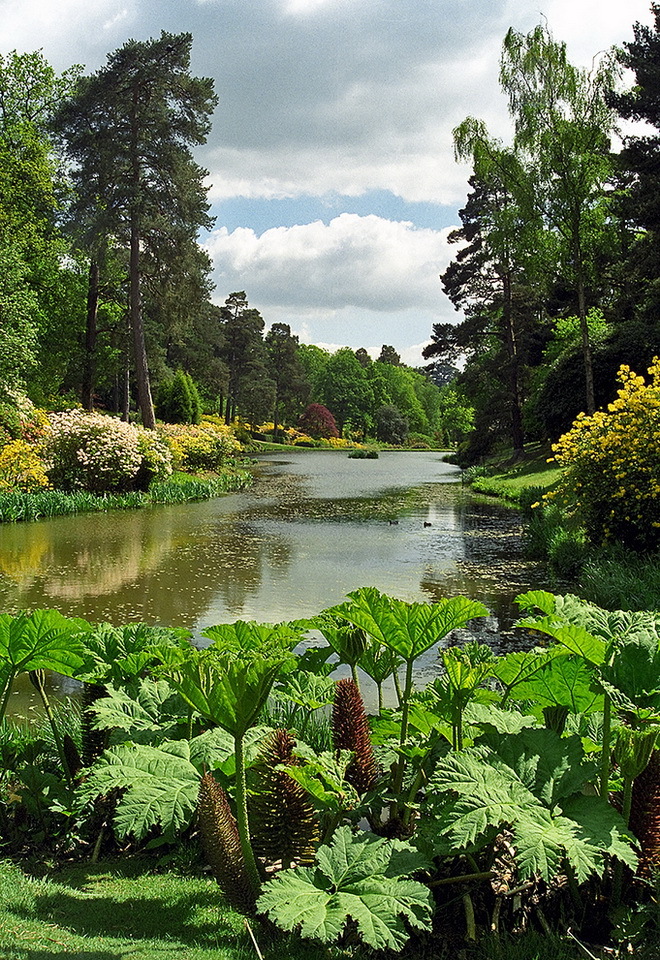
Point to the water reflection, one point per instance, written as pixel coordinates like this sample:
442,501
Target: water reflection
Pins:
314,527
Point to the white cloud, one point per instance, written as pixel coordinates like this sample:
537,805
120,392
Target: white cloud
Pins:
355,281
353,261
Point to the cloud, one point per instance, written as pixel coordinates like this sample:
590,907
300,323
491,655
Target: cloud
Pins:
353,261
356,281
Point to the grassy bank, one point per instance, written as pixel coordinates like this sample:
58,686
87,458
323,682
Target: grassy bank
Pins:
179,488
98,911
500,478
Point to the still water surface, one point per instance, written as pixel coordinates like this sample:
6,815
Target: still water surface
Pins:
314,526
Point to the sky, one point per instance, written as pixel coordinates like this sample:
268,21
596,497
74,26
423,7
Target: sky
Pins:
330,163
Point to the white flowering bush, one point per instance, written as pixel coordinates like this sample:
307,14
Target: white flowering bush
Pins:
91,451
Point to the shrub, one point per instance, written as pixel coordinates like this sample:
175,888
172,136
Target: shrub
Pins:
10,423
90,451
178,400
611,478
202,447
317,421
21,468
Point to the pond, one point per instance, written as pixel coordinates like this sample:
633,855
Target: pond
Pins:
315,525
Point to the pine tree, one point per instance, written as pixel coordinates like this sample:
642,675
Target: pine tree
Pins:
129,129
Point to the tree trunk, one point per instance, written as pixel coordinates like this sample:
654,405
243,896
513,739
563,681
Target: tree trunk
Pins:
515,399
89,371
142,383
586,346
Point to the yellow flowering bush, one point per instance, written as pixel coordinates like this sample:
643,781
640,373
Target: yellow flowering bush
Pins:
21,468
611,461
205,446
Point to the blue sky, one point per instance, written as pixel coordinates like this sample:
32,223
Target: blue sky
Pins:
331,169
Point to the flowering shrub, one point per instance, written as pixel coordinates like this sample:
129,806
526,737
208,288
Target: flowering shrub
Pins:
90,451
21,468
203,447
611,480
156,459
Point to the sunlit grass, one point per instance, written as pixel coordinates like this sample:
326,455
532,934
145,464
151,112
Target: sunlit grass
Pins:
124,910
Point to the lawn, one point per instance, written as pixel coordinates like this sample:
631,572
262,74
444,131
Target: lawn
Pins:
104,911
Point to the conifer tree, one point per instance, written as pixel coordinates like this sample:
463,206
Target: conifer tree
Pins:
129,129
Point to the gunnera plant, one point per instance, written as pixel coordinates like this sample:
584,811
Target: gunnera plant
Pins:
284,823
350,731
222,846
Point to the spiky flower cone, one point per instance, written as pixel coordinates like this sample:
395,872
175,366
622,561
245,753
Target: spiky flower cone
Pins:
222,845
283,820
645,813
350,731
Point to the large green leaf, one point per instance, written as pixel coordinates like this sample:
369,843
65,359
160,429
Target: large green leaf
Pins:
248,635
565,681
308,690
635,668
574,637
406,628
360,878
117,654
152,712
160,786
41,640
520,665
474,794
550,766
229,689
601,824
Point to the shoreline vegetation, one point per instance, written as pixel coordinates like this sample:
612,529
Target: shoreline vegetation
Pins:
108,812
19,506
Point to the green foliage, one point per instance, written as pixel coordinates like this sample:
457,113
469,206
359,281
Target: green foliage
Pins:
41,640
532,782
406,628
178,400
358,877
391,425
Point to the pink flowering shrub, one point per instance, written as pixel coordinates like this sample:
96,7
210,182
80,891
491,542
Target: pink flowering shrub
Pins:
91,451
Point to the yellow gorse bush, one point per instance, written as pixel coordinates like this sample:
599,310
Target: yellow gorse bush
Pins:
611,480
21,468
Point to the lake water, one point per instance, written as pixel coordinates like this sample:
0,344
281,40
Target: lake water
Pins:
315,525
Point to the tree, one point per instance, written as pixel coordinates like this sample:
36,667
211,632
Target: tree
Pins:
129,129
639,159
345,390
32,249
391,425
243,352
389,355
363,357
495,275
563,126
286,372
317,421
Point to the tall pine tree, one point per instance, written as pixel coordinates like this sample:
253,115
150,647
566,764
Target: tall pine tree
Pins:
129,129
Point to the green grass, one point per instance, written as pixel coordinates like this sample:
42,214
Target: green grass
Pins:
179,488
509,481
103,911
125,909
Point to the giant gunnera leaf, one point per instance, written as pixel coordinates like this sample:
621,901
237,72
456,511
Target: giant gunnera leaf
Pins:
358,877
